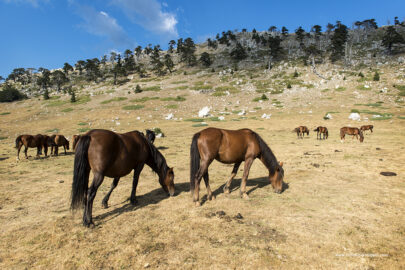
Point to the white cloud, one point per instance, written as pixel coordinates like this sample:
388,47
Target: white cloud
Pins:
100,23
149,14
34,3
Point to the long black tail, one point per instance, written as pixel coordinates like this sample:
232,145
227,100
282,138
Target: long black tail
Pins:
17,141
81,171
194,160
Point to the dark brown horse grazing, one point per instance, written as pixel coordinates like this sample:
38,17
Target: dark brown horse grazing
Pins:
56,141
75,140
300,131
321,130
38,141
351,131
114,155
367,127
230,147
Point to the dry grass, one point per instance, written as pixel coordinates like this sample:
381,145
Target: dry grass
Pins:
337,210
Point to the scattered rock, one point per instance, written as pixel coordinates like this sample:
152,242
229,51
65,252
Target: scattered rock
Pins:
378,148
238,216
221,118
338,150
327,116
354,116
146,265
169,116
61,181
380,159
316,165
220,213
266,116
243,112
388,173
204,112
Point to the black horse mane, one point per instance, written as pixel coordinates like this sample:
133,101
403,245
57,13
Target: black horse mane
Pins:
269,159
157,161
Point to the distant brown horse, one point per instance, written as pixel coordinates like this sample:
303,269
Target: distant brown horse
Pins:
321,130
230,147
301,130
56,141
75,140
114,155
367,127
351,131
38,141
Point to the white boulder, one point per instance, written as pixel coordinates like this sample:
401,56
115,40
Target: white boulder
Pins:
354,116
204,112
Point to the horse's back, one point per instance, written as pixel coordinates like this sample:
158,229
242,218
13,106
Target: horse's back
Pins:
114,154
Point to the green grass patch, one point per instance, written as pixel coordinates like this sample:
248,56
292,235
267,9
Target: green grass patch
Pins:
5,113
399,87
202,87
179,82
363,88
215,119
82,130
55,130
231,89
56,103
113,100
236,111
262,97
340,89
325,90
200,125
133,107
67,110
178,98
257,108
171,106
110,91
194,120
355,111
218,94
3,138
82,100
144,99
152,88
82,124
401,117
183,87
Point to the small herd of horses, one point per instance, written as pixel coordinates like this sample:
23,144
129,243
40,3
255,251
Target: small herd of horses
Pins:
115,155
322,132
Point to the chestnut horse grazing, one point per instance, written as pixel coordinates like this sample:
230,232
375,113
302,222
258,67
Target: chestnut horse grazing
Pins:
58,140
38,141
75,140
114,155
301,130
321,130
351,131
230,147
367,127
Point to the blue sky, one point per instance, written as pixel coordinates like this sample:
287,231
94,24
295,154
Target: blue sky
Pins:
48,33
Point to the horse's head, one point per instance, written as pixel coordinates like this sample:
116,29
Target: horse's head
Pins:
168,182
276,179
361,136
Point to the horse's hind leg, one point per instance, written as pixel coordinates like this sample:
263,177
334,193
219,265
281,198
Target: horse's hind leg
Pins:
234,172
207,185
201,172
87,217
64,148
137,172
248,164
18,151
113,185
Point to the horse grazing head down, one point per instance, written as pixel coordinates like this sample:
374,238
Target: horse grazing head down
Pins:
276,179
168,182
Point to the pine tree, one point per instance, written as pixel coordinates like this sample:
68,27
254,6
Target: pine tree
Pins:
205,59
391,37
338,41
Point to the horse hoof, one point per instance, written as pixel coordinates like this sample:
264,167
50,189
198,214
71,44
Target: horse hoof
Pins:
134,202
245,196
197,204
105,205
226,190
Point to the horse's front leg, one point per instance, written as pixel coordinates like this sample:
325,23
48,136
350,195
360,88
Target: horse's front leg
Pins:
25,151
87,216
64,148
107,197
137,172
234,172
248,164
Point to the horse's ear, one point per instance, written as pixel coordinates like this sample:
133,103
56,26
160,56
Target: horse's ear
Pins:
281,164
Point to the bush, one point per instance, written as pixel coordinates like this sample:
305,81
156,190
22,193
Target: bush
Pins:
376,77
289,85
72,96
9,94
138,89
46,94
361,75
295,74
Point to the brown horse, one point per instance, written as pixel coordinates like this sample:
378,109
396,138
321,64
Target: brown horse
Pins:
367,127
38,141
56,141
321,130
114,155
351,131
230,147
75,140
301,130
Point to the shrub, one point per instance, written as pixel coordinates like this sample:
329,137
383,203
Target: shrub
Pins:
289,85
138,89
361,74
133,107
72,96
376,76
9,94
295,74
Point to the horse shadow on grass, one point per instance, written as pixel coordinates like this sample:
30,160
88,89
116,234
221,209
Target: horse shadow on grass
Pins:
153,197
